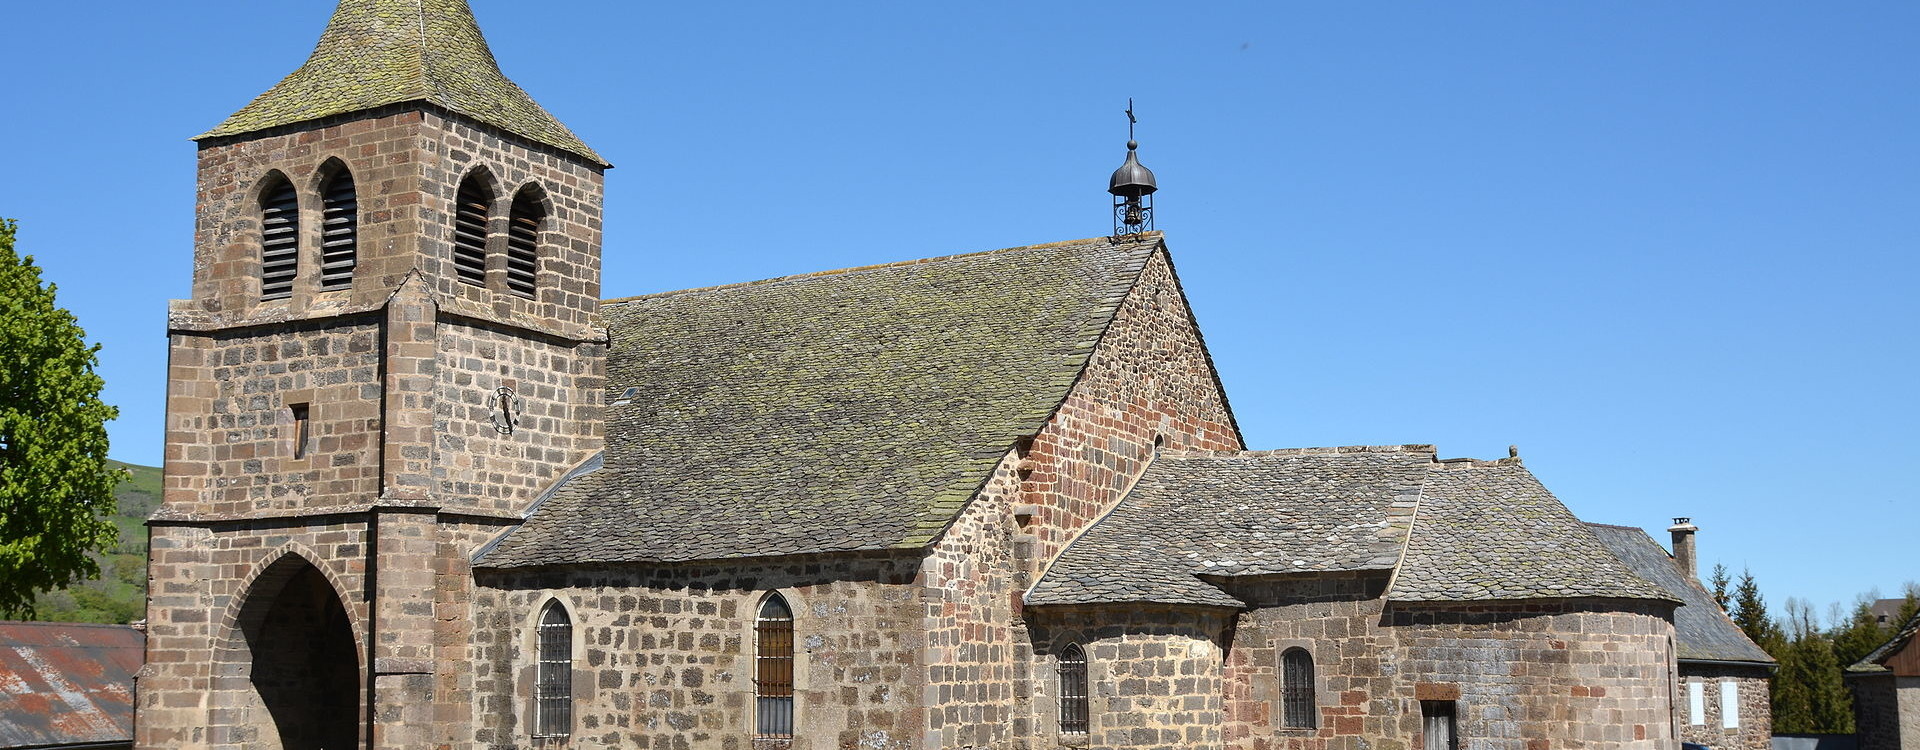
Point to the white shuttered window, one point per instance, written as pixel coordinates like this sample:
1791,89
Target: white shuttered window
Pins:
1729,705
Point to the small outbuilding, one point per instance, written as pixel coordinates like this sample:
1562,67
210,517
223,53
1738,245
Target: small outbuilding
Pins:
1886,692
67,686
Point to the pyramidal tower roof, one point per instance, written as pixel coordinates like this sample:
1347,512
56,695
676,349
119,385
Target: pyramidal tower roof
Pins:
380,52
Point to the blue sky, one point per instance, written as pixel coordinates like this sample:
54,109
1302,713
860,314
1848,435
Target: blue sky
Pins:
1667,249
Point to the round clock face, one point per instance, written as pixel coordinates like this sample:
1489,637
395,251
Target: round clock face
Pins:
503,410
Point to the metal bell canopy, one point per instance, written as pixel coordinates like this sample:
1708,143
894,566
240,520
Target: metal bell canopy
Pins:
1132,186
1132,179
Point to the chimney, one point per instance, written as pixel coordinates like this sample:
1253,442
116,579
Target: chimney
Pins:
1684,557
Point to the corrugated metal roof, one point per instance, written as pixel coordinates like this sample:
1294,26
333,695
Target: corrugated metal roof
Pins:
65,683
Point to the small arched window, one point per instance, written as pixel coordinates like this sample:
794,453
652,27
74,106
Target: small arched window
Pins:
553,681
279,238
472,207
1073,690
339,231
773,670
1296,689
524,222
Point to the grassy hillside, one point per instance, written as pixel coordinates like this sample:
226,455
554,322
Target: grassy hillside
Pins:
119,595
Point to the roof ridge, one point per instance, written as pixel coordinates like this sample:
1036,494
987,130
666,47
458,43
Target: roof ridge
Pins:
1320,451
52,624
865,268
1466,464
1617,526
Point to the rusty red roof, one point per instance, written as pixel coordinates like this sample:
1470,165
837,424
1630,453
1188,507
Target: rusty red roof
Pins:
64,683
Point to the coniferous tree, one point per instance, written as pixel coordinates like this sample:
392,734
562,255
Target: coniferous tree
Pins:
1750,613
1809,696
1720,582
1860,633
56,488
1908,608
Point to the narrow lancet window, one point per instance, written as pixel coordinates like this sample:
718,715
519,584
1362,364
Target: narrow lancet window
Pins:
279,239
471,209
1073,690
339,231
1296,689
553,685
302,431
773,670
524,222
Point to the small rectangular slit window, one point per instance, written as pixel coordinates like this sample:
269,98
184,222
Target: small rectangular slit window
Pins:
302,431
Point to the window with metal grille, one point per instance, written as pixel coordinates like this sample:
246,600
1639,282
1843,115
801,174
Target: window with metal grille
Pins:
279,239
524,222
553,684
773,670
472,206
1073,690
1296,689
339,231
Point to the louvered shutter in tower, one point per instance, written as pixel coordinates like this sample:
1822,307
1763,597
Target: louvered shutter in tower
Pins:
470,231
523,243
279,240
339,232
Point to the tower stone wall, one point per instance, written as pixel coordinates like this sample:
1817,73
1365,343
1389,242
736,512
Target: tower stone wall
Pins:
435,411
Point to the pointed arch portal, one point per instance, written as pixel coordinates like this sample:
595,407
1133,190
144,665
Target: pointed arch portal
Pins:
303,664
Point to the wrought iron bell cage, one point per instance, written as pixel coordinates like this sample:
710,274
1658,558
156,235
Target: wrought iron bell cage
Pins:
1132,187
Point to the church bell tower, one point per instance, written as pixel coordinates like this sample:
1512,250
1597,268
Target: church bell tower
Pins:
392,347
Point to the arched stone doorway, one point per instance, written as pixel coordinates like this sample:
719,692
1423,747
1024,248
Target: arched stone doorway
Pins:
302,666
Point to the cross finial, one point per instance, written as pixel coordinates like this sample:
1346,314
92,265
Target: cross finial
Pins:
1130,118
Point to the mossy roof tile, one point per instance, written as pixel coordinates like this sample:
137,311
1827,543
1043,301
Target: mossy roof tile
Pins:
1249,513
380,52
851,410
1449,531
1488,530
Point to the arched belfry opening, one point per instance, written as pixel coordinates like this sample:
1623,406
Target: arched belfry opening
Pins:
296,664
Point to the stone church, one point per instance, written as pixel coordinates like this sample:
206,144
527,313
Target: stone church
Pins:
426,488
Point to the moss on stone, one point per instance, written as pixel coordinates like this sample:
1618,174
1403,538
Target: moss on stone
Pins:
380,52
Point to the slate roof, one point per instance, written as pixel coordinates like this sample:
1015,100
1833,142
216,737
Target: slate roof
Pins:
846,410
379,52
1450,530
1702,631
1488,530
67,684
1237,514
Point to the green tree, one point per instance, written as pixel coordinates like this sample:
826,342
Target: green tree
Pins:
1808,694
56,488
1859,633
1908,608
1750,613
1720,581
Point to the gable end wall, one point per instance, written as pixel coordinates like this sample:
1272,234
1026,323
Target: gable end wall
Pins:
1148,377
